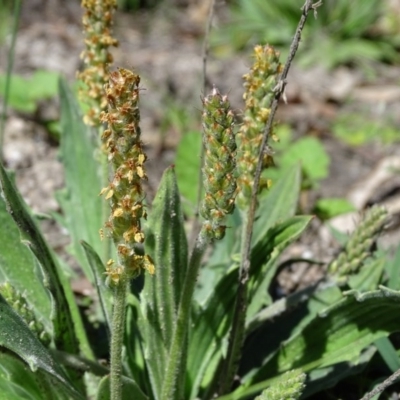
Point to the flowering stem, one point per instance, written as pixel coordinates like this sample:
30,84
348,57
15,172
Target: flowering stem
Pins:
238,326
175,361
237,333
117,338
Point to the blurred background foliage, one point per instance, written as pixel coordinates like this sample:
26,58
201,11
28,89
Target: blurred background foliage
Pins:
350,32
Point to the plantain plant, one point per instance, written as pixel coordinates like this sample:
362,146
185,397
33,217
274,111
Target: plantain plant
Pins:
182,319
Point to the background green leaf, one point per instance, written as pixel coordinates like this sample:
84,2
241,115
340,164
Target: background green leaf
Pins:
188,163
80,200
338,334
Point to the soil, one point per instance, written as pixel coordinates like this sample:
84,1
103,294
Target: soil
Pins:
164,45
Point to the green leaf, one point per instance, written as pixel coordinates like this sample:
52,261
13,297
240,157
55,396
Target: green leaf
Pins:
25,93
166,243
336,335
312,156
80,201
188,165
130,390
278,205
391,268
220,260
135,359
321,379
332,207
275,242
210,325
17,381
388,353
19,98
103,292
66,316
19,267
43,84
17,337
369,277
302,305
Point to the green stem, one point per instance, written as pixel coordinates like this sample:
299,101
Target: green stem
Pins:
117,338
175,361
238,326
17,11
237,333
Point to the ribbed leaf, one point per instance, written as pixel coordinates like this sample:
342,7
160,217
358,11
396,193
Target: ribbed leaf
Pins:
17,337
210,325
276,240
302,305
66,316
279,204
130,390
321,379
80,200
337,335
19,267
282,320
166,243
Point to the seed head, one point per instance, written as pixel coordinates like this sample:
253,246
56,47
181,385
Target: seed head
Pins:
259,86
125,192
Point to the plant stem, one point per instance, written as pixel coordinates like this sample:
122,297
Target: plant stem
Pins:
236,337
239,317
10,63
175,361
117,338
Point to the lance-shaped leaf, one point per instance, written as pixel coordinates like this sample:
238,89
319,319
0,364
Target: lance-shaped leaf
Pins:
19,267
65,316
338,334
279,205
277,239
17,337
80,200
166,242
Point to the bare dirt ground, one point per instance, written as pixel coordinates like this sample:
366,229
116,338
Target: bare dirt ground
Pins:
165,48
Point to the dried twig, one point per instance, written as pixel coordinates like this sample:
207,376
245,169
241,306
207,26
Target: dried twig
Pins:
380,388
